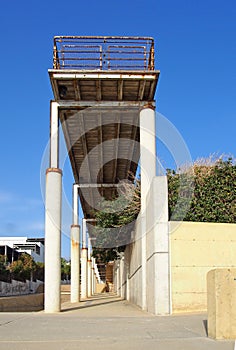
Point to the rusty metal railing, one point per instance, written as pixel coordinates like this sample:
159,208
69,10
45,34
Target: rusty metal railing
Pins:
103,53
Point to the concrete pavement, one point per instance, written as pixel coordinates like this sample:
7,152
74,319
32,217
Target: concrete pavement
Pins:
105,322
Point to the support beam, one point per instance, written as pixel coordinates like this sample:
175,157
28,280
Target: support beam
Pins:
100,148
98,90
120,90
52,300
86,155
141,89
77,90
84,104
148,172
116,150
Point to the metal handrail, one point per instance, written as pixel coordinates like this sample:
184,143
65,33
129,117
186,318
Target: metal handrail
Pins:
103,53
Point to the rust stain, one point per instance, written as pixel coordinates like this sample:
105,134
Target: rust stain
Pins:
75,244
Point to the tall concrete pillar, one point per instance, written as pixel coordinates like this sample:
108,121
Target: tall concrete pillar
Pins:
127,260
75,264
89,277
84,263
148,172
89,266
92,277
122,278
127,285
75,250
118,279
52,296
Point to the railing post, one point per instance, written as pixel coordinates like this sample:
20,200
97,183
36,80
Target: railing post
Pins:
55,55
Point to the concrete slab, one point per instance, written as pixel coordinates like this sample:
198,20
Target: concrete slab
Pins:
105,322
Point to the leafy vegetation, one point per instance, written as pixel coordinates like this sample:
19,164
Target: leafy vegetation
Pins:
205,192
213,187
115,221
65,269
25,268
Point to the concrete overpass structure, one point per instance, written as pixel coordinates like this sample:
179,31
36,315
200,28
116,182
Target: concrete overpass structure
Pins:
104,91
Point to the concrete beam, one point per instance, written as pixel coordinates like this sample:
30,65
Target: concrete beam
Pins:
106,104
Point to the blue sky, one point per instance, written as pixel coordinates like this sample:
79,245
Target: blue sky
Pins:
195,52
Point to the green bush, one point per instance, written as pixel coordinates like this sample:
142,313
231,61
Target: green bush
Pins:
213,197
204,192
23,268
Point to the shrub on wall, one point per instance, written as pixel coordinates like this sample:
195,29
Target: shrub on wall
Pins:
213,192
204,192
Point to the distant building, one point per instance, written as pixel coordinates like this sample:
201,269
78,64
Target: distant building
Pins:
12,246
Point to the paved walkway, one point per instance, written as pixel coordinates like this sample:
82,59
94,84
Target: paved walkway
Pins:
105,322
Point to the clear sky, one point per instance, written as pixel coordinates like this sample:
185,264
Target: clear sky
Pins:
195,52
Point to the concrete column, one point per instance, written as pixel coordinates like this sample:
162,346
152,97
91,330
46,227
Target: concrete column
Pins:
148,172
116,285
127,285
89,278
95,277
52,300
75,250
126,261
75,264
92,277
122,278
89,268
84,263
84,273
118,278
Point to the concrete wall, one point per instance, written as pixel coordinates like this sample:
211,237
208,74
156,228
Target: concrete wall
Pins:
33,302
197,248
155,232
178,258
18,288
157,248
134,260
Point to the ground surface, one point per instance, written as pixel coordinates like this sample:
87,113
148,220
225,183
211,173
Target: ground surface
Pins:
105,322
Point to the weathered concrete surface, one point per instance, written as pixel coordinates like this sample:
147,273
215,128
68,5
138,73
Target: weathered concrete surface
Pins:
135,264
105,322
196,248
32,302
221,303
18,288
157,248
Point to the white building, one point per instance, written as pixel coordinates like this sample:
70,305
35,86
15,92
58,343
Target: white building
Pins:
31,246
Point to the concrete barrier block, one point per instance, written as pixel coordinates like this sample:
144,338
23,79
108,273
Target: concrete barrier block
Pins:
221,303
